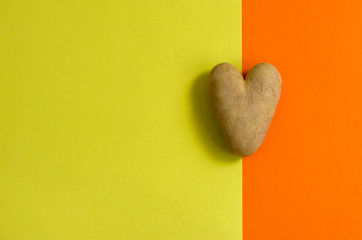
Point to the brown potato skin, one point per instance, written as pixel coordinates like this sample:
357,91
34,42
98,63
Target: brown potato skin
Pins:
244,108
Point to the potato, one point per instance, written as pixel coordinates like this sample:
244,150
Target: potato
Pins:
244,108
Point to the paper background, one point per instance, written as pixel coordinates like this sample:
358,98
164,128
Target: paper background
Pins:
305,181
105,128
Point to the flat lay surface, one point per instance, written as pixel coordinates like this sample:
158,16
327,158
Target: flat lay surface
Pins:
305,180
105,126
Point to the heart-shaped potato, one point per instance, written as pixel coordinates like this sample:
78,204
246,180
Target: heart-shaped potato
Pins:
244,108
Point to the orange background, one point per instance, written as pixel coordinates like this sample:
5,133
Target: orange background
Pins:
305,182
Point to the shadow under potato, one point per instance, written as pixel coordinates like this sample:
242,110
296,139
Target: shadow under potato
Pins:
206,125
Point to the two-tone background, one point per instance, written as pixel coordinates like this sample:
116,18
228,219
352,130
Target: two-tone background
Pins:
106,130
